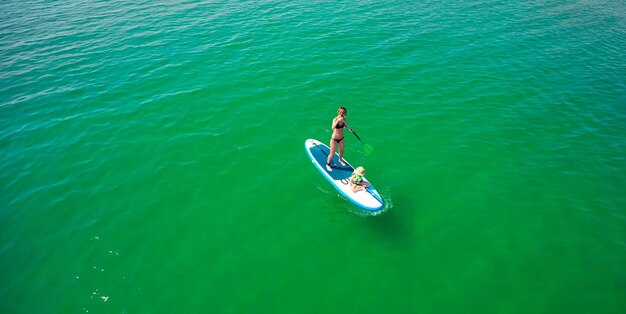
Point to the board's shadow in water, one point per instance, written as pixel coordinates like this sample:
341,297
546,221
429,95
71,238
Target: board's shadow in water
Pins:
394,225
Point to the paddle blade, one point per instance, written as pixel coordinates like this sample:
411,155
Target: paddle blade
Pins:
368,148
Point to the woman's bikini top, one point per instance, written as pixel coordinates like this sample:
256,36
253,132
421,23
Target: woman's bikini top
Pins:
337,126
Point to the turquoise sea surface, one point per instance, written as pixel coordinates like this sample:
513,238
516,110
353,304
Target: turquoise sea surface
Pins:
152,158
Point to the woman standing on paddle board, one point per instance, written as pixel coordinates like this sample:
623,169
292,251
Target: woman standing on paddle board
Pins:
336,139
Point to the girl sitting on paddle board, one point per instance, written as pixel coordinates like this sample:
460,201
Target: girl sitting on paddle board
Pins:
356,180
336,139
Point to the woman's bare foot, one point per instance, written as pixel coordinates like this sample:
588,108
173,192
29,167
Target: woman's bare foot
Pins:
329,168
341,162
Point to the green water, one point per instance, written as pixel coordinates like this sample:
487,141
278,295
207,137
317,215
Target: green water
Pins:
152,156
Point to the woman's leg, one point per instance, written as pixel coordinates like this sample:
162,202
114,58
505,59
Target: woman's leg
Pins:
341,152
333,148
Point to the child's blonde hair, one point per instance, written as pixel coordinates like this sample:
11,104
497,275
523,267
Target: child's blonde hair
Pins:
357,175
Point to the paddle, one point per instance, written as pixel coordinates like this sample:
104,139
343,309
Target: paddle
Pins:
368,148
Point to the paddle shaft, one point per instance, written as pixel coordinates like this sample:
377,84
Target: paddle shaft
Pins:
357,136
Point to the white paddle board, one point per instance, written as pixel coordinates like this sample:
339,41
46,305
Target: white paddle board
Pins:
368,199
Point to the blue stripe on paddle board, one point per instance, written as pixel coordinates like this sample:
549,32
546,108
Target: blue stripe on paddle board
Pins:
320,154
